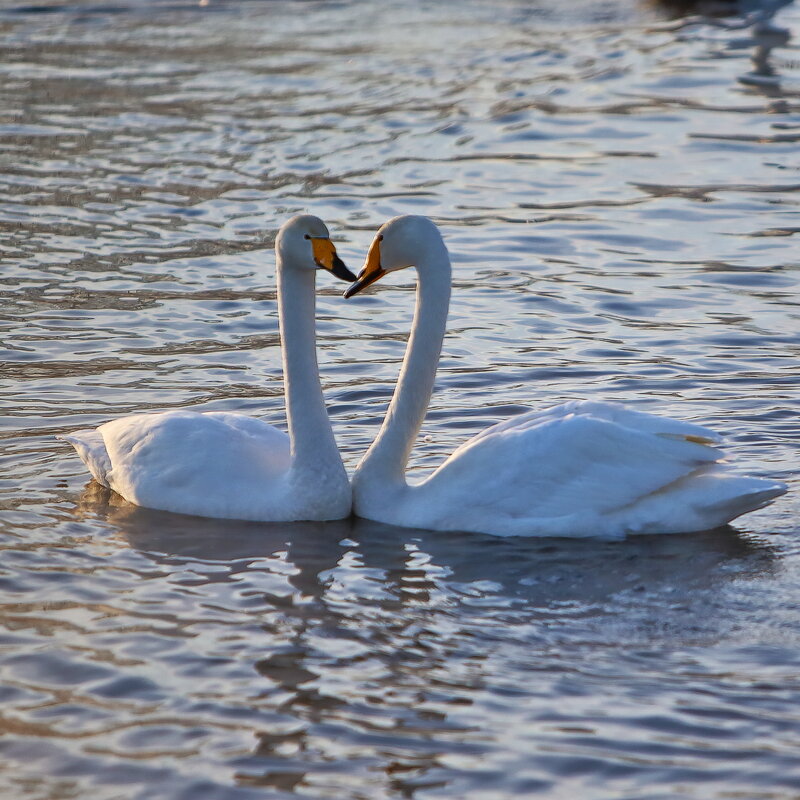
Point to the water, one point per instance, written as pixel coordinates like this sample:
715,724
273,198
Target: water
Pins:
619,190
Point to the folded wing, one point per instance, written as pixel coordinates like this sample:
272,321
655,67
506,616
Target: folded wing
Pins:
584,467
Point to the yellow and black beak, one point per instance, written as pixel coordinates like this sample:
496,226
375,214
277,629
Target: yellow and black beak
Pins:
372,271
325,256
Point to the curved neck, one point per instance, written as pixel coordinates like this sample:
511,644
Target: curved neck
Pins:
385,461
309,426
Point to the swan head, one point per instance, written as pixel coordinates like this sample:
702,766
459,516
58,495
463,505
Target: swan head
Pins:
399,243
304,243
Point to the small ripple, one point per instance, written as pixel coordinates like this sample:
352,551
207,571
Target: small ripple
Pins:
151,159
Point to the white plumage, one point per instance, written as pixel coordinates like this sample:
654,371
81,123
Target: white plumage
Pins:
585,468
578,469
212,464
219,464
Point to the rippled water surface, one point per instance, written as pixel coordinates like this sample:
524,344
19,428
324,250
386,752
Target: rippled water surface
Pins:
620,191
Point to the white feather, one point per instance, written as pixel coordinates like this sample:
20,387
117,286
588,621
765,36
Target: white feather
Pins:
219,464
578,469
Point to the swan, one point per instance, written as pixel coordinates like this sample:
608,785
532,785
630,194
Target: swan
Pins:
226,465
583,468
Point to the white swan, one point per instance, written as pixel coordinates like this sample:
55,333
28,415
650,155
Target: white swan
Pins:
578,469
219,464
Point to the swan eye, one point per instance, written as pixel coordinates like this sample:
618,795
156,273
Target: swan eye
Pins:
306,236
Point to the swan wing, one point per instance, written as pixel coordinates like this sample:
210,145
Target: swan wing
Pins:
589,468
214,464
610,412
568,460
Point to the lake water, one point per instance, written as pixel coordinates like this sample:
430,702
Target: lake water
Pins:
620,191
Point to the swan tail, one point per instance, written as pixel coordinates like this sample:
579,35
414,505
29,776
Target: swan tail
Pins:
747,494
90,446
703,500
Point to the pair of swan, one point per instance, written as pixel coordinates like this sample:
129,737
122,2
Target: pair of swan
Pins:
578,469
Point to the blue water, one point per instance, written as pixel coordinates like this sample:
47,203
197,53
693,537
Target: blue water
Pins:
618,186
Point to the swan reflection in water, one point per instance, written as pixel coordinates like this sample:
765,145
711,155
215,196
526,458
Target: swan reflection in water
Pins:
394,638
413,563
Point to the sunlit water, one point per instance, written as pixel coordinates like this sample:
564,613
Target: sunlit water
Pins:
619,191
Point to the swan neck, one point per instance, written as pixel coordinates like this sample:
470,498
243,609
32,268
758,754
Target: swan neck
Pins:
310,431
386,460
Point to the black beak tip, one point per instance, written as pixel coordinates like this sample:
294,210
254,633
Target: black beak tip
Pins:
340,270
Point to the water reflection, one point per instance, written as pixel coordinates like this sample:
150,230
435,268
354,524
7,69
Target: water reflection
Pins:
765,36
377,646
621,211
414,565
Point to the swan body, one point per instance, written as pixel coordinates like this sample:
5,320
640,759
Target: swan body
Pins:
578,469
226,465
